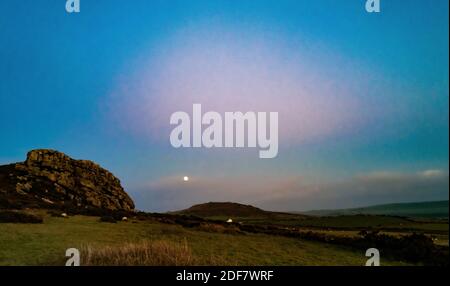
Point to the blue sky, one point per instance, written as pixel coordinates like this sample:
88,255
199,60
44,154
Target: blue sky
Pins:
363,98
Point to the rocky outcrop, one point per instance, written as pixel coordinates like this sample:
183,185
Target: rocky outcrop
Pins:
51,178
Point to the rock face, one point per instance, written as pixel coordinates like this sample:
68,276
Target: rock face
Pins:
53,178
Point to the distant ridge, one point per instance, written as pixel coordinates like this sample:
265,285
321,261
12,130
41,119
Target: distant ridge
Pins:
223,209
435,209
236,210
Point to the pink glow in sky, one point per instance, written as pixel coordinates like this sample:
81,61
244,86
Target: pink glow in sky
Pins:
235,71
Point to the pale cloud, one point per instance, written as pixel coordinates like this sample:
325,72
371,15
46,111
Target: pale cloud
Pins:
294,193
389,175
316,93
368,189
173,193
433,173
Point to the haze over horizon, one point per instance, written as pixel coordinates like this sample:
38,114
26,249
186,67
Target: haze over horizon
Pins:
363,99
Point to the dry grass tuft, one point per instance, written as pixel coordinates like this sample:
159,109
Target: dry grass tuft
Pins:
217,228
145,253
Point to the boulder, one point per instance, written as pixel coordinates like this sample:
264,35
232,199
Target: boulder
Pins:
52,178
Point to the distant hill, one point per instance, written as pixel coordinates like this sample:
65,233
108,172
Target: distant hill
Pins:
248,213
213,209
437,209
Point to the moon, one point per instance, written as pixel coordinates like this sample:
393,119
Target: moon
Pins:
185,178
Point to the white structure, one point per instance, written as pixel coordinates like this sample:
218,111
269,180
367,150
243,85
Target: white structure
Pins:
124,218
229,220
64,215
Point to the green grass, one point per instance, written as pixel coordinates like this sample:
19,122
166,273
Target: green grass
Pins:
45,244
350,222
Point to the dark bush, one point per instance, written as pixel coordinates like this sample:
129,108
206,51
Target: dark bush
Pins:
19,217
54,213
417,248
108,218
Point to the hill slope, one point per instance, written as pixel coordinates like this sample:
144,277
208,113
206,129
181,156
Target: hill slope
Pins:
213,209
438,209
51,179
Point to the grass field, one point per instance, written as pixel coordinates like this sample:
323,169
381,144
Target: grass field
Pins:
436,209
349,222
45,244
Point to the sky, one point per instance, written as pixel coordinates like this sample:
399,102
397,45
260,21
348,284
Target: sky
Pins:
363,99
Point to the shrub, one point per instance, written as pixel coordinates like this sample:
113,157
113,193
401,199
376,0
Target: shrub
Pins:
19,217
56,213
218,228
107,218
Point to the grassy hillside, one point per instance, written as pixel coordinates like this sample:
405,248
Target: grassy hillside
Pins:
438,209
201,236
223,209
347,220
45,244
